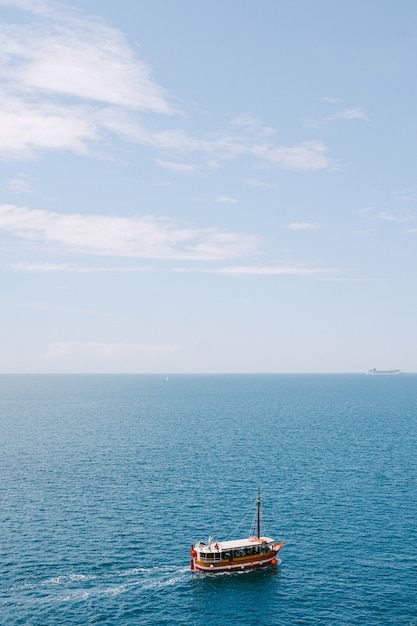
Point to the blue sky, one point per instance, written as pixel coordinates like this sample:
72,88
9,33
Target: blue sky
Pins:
197,186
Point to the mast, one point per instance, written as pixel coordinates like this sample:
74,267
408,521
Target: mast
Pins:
259,512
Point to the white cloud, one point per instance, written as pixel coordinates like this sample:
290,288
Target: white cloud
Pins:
368,210
399,215
26,128
274,270
255,182
25,266
355,113
237,141
41,267
331,100
393,215
20,184
136,237
313,123
182,168
307,156
247,135
226,200
34,6
233,270
262,270
67,79
407,194
302,226
78,56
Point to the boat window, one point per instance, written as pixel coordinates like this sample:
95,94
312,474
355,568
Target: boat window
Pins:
226,555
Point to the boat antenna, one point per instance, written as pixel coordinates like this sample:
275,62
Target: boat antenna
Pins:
259,512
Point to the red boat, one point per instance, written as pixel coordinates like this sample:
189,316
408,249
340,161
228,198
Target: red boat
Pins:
238,554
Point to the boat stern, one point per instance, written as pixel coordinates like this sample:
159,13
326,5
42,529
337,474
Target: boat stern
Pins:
193,556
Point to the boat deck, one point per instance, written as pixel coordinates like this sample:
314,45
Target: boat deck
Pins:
218,546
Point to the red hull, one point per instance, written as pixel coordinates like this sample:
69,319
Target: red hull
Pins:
234,568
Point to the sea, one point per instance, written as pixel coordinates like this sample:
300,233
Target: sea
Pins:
107,480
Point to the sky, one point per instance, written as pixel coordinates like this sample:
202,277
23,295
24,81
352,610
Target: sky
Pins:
208,187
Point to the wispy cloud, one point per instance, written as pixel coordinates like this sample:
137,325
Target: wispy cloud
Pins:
65,78
395,216
26,266
68,79
242,137
331,99
182,168
254,270
354,113
145,237
263,270
43,267
226,199
249,136
320,273
255,182
302,226
27,127
75,55
408,194
20,185
392,215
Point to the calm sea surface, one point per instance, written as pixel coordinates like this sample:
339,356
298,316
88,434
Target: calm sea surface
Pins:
107,480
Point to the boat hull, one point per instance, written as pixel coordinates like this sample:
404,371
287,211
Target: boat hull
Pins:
233,567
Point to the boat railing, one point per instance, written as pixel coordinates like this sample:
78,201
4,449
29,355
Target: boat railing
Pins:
215,556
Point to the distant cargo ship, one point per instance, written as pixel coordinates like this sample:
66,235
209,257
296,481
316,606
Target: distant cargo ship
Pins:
375,372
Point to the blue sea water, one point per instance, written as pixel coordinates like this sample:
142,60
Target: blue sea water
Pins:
107,480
